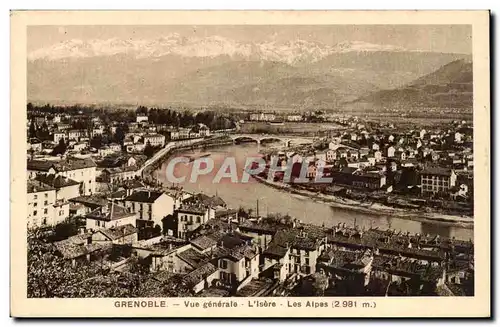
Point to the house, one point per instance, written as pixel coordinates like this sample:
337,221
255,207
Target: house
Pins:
141,118
76,134
263,117
400,155
237,264
391,152
155,140
437,180
66,188
79,248
151,207
110,215
40,206
122,234
203,130
79,170
188,218
378,156
331,155
356,178
80,146
59,136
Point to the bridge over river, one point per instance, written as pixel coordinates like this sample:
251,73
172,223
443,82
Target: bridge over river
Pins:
287,140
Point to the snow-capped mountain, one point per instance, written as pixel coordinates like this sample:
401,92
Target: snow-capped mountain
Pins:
289,52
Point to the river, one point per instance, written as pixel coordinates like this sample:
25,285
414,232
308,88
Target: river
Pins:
271,200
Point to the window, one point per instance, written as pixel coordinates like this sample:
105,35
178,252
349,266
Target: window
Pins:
45,211
61,212
307,261
35,196
34,213
46,195
35,204
223,264
198,219
98,223
45,202
44,221
191,219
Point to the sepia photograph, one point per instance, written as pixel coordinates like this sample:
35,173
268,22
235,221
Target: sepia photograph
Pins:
326,166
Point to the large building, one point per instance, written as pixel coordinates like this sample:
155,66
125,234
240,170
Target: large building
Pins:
41,200
81,170
155,140
108,216
437,180
151,207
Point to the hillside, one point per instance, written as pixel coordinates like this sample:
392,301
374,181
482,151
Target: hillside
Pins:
449,86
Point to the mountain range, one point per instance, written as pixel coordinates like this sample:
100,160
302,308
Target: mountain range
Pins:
217,70
450,86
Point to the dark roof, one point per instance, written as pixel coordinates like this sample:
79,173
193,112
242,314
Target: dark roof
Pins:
434,170
144,196
36,186
203,242
193,258
39,165
91,201
118,232
74,164
197,275
212,201
109,212
193,208
56,181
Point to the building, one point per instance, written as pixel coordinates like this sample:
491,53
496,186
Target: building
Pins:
122,234
263,117
356,178
108,216
65,188
41,200
437,180
141,118
187,218
155,140
151,207
59,136
76,134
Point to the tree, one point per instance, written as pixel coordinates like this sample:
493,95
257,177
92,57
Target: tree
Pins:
96,142
32,130
60,148
119,135
149,151
320,283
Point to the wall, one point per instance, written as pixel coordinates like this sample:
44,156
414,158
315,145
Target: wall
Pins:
43,204
85,175
96,224
68,192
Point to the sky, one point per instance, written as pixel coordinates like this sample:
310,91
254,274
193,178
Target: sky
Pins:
436,38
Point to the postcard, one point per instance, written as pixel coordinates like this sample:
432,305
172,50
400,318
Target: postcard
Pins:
250,164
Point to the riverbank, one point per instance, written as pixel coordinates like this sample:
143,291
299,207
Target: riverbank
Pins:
372,207
173,147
